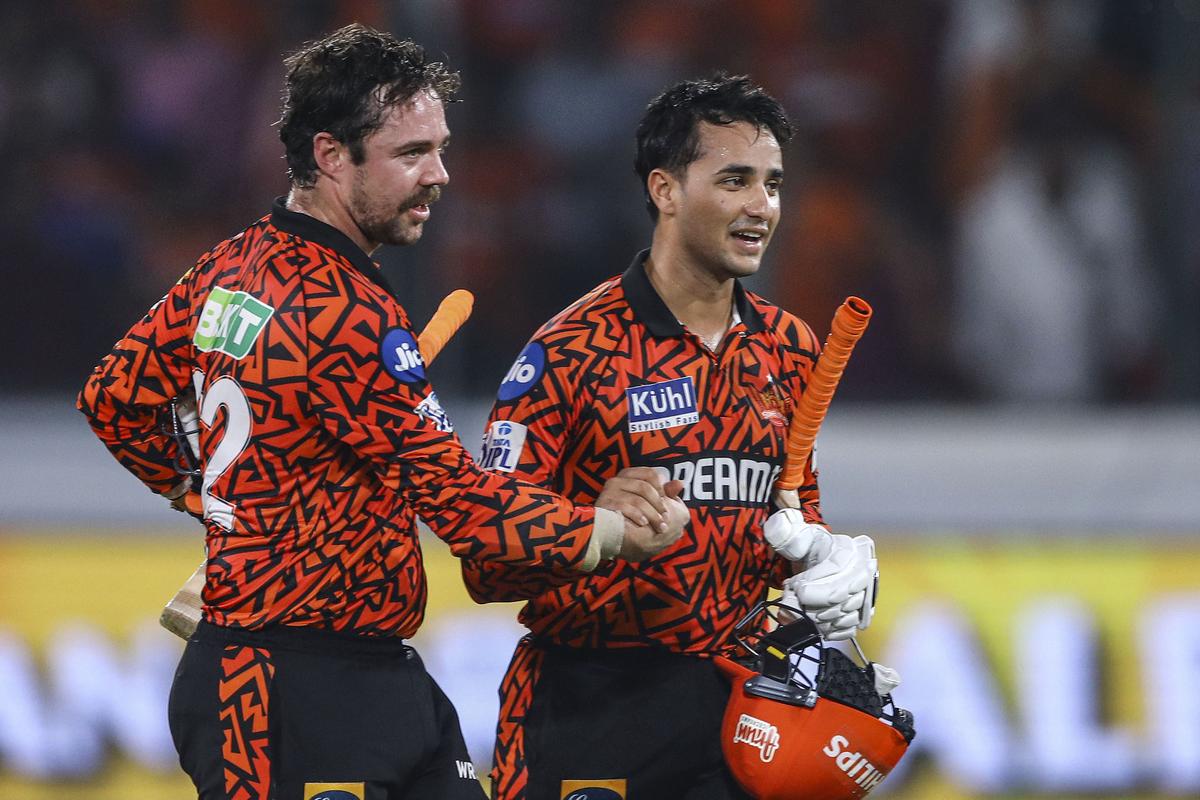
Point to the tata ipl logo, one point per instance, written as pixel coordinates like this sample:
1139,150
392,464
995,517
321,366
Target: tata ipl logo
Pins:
656,406
502,445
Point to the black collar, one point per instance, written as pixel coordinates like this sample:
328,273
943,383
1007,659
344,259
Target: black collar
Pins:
651,311
314,230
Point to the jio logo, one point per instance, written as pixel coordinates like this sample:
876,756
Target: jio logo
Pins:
524,372
401,356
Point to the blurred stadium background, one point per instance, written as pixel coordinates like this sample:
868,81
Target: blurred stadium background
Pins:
1013,184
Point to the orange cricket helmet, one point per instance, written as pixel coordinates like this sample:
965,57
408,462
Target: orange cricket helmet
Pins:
804,722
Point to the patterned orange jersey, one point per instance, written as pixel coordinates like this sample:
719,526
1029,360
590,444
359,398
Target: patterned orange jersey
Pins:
320,437
615,381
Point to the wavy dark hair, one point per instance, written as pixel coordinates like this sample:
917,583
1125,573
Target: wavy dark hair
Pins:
345,84
668,136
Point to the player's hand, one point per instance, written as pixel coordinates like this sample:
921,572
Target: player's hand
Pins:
641,542
794,539
637,494
838,591
186,499
189,503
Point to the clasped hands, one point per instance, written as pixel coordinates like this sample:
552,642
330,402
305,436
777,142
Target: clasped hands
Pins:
653,513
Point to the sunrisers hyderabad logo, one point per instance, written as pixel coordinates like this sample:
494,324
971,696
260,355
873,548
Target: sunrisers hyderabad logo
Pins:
774,404
759,734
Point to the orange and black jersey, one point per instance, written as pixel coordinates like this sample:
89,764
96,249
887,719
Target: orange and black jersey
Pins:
615,381
320,437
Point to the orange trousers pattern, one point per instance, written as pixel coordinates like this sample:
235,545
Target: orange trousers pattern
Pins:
244,692
510,775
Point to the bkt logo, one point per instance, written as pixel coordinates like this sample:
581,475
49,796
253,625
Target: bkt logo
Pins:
230,322
524,373
656,406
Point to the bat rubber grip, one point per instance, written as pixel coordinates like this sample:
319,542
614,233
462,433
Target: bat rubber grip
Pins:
849,322
449,317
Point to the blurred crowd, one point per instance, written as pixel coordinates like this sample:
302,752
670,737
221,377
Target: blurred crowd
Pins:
1012,184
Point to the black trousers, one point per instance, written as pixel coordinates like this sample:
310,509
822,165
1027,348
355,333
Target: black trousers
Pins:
299,714
644,724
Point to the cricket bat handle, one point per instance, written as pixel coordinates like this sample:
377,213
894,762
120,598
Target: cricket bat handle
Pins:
849,322
182,614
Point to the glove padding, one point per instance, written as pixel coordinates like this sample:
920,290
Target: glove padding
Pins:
185,496
838,591
796,540
189,420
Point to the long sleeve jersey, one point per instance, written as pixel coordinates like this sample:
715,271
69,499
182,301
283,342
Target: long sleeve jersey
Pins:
616,381
320,437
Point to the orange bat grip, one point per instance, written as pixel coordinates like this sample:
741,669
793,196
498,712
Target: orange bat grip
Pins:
445,322
849,322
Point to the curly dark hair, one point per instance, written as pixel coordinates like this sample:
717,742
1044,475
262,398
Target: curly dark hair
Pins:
345,84
668,136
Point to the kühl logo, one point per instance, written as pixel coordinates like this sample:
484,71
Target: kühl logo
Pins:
656,406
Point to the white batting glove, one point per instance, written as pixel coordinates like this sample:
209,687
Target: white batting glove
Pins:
794,539
837,591
838,624
189,419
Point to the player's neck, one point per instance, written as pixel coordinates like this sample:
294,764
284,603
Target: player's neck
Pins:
701,301
323,204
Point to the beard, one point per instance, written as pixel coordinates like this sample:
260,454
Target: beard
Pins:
383,222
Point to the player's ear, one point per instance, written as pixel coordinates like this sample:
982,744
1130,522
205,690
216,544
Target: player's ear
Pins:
663,189
330,154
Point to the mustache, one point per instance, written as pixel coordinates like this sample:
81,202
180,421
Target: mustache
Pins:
424,198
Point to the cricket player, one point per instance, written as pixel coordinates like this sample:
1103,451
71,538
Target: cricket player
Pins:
320,442
672,365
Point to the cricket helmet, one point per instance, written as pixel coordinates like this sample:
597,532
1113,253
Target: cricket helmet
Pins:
804,722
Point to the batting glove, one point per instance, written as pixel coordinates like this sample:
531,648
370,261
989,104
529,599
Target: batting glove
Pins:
794,539
838,590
